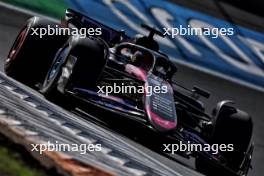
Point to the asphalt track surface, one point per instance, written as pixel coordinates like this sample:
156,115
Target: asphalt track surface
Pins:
246,98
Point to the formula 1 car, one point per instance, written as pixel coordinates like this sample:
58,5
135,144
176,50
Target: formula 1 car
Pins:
88,69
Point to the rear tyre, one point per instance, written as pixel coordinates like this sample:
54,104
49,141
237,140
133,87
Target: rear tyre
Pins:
31,56
233,126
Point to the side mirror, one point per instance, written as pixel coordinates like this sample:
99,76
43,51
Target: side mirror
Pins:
201,92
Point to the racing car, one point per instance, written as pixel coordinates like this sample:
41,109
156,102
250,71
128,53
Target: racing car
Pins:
78,67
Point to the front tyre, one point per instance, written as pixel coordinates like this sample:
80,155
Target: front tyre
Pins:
78,64
31,56
232,126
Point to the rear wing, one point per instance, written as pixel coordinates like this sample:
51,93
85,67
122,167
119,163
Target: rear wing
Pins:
109,35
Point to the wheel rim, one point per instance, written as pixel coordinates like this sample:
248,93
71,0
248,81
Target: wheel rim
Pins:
56,67
17,44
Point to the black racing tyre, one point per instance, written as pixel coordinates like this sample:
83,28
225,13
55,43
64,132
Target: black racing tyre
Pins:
233,126
90,55
31,56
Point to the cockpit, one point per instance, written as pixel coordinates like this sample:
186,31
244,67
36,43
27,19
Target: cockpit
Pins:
148,60
137,56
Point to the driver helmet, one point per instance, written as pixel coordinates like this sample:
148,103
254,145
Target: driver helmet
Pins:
146,42
142,59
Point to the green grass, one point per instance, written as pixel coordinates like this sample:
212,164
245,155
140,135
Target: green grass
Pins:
54,8
13,162
11,165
